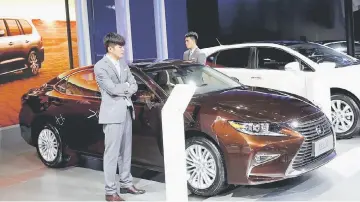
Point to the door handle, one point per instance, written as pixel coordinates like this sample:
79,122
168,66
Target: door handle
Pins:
256,77
11,43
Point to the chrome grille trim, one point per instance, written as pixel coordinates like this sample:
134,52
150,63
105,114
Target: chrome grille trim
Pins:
308,130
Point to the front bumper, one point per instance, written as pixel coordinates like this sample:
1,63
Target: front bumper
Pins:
262,178
259,160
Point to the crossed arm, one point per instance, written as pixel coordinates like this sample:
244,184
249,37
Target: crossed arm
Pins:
117,90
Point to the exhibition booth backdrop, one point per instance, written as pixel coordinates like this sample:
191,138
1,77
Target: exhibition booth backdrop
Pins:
49,20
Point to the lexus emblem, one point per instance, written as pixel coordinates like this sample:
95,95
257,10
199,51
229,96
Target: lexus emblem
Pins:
319,130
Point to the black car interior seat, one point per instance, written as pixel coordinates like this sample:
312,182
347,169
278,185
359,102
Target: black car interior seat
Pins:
163,80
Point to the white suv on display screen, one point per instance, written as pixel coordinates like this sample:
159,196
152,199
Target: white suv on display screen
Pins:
287,65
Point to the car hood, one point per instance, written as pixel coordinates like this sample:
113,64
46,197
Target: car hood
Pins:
258,104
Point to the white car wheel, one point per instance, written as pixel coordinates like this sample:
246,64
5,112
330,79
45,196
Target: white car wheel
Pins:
201,167
48,145
344,116
205,167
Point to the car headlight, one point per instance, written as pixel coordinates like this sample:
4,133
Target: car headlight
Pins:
260,129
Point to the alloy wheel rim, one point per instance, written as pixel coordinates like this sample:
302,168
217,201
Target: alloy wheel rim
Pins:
342,116
200,166
48,145
34,65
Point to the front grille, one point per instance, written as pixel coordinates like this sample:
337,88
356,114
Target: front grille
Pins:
308,130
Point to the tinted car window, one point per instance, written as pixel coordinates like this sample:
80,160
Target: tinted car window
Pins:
144,94
210,60
61,86
238,58
273,59
26,27
3,27
205,78
82,83
140,83
320,54
13,28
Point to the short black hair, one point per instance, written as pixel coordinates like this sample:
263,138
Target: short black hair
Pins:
192,35
112,39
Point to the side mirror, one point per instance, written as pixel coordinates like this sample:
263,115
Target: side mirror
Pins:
2,32
235,79
293,66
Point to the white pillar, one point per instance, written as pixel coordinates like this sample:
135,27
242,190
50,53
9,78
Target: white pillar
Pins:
123,25
174,142
160,29
83,33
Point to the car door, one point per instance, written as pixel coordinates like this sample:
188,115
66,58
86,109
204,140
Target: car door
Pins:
147,131
236,62
28,39
3,46
270,66
79,99
14,39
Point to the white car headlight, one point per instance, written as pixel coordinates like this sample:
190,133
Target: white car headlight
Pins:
260,129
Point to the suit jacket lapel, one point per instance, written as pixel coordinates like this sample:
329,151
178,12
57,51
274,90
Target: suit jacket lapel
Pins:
195,52
112,66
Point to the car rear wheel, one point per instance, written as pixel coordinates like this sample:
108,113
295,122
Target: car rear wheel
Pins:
49,147
33,64
205,167
344,116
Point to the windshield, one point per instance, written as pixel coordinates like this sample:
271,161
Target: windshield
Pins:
319,54
205,78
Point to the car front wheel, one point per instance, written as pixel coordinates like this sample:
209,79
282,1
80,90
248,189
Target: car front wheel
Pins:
205,167
49,147
345,116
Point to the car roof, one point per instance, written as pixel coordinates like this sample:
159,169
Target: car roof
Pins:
142,64
15,17
283,42
274,44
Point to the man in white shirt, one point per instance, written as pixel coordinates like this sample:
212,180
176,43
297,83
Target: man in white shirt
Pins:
117,85
193,53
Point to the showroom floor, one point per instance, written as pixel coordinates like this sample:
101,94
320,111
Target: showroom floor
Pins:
23,177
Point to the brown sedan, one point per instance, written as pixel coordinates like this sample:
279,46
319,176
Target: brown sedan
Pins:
234,134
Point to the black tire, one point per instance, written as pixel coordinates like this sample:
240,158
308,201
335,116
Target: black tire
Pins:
355,128
219,183
29,62
58,161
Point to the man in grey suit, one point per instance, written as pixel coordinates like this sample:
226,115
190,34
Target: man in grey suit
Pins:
193,53
117,85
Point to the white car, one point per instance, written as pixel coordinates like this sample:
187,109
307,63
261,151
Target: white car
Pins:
287,65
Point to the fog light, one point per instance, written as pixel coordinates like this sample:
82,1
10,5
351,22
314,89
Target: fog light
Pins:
261,157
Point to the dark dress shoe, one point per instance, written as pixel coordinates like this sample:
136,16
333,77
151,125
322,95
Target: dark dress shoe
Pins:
114,197
131,190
